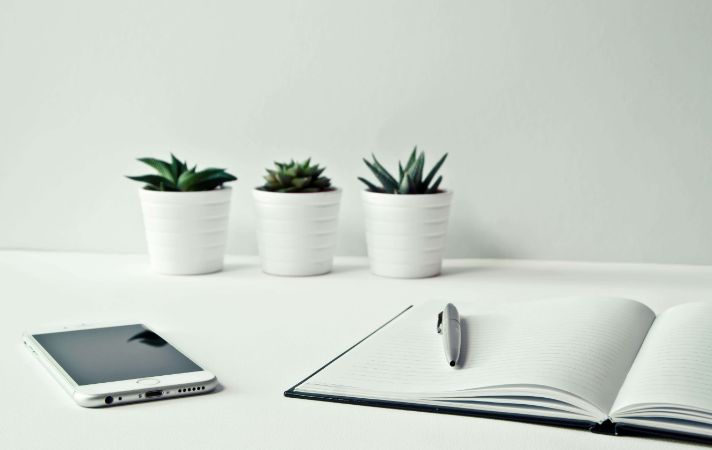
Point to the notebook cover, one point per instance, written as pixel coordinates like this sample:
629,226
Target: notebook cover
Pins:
592,426
638,431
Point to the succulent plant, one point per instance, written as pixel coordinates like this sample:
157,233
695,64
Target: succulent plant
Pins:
296,177
177,177
410,178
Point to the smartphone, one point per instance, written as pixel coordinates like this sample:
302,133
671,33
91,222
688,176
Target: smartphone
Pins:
109,365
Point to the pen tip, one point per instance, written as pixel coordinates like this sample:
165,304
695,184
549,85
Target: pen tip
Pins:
452,363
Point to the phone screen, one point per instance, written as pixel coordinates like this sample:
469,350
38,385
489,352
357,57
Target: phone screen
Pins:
101,355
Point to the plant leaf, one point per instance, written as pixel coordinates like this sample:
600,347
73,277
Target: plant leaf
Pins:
411,159
296,176
371,187
389,184
384,171
151,180
162,167
190,181
436,185
300,182
175,167
175,176
412,185
418,171
404,186
283,179
434,171
213,182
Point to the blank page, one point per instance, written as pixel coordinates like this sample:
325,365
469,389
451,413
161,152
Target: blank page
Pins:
674,365
583,346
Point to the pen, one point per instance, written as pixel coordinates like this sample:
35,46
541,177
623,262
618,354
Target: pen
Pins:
449,327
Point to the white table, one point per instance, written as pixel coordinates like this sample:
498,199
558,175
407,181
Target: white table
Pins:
213,319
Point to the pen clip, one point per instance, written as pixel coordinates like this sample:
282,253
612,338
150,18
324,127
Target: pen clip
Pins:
440,323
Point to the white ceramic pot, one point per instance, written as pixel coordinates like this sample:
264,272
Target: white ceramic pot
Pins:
186,232
405,234
296,232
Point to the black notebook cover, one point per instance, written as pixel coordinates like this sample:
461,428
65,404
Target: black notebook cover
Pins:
606,427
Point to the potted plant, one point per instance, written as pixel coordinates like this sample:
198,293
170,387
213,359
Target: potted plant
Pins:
406,218
185,214
297,216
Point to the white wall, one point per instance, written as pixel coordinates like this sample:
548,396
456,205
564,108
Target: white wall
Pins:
576,129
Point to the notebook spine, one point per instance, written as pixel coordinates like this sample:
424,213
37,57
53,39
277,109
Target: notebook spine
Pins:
605,427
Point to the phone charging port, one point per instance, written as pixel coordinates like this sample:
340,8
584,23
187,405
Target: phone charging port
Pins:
154,394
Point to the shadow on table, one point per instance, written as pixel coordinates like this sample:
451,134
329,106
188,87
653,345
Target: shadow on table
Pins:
451,271
234,267
348,268
477,269
446,271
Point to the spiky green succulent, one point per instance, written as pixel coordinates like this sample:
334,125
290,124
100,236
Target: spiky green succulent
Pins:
410,178
296,177
175,176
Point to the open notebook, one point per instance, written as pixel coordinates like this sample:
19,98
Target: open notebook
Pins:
605,364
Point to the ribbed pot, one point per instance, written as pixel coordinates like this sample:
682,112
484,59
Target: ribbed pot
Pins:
405,234
296,232
186,232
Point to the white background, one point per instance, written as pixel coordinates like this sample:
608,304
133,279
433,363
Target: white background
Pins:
576,129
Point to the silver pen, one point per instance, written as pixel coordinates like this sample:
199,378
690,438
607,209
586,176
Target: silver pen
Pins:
449,327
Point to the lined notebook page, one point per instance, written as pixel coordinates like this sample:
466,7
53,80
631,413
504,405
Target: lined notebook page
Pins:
675,362
584,346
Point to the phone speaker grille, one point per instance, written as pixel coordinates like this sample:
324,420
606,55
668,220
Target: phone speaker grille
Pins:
192,389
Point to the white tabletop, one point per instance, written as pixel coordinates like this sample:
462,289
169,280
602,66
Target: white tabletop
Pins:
311,320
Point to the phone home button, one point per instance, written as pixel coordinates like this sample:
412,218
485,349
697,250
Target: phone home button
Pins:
147,381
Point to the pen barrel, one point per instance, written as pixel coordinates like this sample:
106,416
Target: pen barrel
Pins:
452,339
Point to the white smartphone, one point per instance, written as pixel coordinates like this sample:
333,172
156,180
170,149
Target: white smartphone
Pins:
109,365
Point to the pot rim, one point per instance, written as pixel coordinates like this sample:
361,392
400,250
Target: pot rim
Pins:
439,199
440,192
298,194
150,192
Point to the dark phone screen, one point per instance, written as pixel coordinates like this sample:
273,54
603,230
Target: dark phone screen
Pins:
101,355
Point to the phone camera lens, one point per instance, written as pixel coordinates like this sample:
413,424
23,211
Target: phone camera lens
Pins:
109,400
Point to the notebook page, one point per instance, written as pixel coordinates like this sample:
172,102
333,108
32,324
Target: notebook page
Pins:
675,361
584,346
